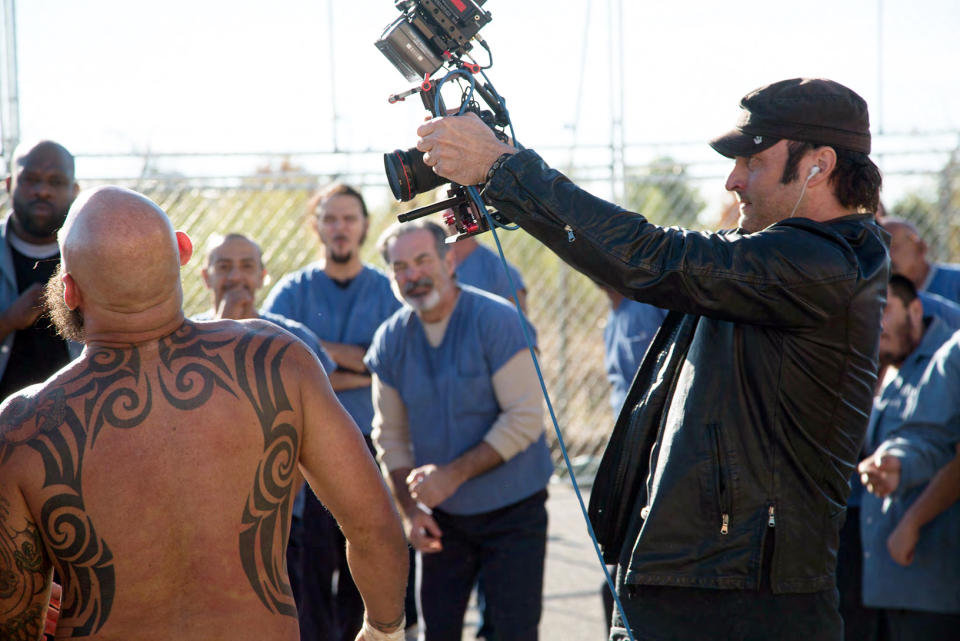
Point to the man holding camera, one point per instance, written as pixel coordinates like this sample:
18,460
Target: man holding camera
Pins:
723,488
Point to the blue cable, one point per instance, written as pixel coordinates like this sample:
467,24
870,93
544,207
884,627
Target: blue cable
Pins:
478,202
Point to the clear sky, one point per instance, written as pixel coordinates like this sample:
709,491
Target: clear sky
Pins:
238,75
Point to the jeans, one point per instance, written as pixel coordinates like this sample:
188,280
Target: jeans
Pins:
508,546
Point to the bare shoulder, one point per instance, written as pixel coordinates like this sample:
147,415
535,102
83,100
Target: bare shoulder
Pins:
28,413
226,330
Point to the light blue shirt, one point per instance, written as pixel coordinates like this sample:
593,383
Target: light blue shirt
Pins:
944,309
918,420
483,269
341,314
630,328
299,330
944,279
449,396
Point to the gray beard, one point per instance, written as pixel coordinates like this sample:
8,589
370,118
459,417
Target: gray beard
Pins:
69,322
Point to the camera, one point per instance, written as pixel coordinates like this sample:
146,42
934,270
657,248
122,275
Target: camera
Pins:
429,33
408,176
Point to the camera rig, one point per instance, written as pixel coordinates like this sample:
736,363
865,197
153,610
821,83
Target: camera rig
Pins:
430,36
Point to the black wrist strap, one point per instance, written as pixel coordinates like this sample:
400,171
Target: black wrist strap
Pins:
496,165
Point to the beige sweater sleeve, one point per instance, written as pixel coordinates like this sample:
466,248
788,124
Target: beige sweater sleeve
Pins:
518,392
391,431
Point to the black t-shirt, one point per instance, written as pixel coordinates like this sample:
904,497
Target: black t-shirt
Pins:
37,351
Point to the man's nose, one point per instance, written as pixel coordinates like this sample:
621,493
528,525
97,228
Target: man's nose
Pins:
737,179
43,189
235,275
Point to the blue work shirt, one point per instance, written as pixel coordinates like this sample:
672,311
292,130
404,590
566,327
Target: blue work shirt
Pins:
340,314
299,330
630,328
943,308
449,396
483,269
918,420
944,279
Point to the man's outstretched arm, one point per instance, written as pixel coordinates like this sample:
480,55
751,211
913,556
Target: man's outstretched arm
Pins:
337,464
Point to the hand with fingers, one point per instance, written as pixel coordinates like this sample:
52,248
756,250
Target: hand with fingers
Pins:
880,474
460,148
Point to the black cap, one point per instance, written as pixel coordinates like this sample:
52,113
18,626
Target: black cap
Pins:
812,110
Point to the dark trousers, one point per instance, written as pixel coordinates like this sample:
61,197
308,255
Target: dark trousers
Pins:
329,606
860,623
508,547
658,613
913,625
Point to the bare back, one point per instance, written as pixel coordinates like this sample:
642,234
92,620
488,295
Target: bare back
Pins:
159,480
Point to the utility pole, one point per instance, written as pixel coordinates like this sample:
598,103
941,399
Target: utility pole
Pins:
334,117
616,100
9,83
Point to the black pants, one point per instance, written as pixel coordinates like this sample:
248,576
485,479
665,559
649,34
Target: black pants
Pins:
659,613
508,547
913,625
316,556
860,623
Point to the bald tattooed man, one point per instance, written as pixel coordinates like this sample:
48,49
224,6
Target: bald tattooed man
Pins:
157,472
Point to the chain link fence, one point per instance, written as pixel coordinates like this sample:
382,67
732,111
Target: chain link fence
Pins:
667,183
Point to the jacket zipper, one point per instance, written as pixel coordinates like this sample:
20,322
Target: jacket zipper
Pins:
766,557
721,480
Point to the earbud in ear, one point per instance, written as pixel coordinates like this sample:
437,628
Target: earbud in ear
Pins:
813,171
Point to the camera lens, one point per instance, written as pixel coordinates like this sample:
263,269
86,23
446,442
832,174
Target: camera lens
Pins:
407,175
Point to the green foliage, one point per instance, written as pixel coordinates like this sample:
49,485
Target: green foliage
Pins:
661,192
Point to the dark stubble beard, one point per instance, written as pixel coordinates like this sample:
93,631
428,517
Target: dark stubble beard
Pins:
69,322
28,220
341,258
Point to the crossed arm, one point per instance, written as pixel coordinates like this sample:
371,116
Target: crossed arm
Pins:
350,372
942,492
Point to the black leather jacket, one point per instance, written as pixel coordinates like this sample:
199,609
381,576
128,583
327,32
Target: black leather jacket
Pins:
746,417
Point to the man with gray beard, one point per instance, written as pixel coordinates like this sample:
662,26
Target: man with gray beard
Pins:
459,426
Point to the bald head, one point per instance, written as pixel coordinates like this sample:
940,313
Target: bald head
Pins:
28,152
908,251
121,251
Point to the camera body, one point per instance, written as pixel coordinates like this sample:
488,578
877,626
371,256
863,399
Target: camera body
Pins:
428,36
429,33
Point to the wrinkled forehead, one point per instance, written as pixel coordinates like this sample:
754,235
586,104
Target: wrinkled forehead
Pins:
235,248
408,245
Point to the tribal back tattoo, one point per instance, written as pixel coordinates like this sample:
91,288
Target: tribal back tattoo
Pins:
116,391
